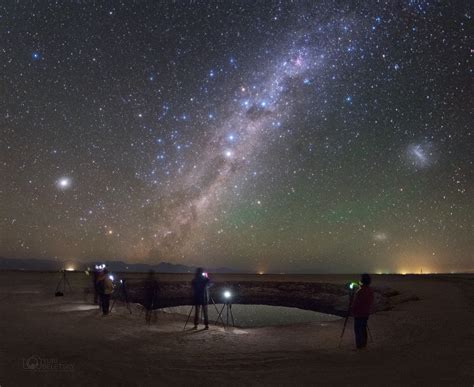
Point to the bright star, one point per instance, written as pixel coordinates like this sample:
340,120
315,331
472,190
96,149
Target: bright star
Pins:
64,183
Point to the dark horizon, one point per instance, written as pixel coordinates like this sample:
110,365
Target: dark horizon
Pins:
79,266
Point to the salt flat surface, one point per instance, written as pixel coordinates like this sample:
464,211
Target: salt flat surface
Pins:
426,342
252,316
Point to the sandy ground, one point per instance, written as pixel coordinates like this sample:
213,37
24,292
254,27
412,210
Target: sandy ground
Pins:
426,342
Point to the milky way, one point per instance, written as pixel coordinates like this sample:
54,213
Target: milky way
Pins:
262,109
288,136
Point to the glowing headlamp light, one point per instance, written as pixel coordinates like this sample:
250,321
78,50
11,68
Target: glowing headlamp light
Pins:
353,285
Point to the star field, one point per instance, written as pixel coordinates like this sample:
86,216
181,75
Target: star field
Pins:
284,136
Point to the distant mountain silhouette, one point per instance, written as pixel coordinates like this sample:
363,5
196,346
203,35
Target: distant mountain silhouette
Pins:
117,266
30,264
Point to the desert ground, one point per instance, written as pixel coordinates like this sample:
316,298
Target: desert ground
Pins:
47,340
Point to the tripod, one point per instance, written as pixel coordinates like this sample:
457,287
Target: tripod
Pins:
228,308
62,282
121,291
351,298
192,308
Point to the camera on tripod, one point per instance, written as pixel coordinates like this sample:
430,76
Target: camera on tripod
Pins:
352,286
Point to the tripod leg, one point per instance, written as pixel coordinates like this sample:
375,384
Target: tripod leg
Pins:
189,315
370,334
351,298
215,306
232,316
343,330
59,284
68,284
114,293
217,311
219,316
113,304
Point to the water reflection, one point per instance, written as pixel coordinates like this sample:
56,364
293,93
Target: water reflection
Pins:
248,316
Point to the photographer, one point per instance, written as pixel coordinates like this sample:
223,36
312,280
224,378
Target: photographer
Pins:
200,285
361,308
106,287
151,289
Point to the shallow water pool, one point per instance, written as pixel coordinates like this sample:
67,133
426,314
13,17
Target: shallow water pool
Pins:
247,316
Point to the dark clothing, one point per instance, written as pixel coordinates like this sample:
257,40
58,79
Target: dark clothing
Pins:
96,287
105,302
363,301
204,312
361,309
200,287
360,331
151,294
150,302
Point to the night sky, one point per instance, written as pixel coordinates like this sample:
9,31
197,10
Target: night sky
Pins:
319,136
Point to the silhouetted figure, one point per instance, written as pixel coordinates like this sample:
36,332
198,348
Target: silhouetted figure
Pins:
95,277
361,309
105,287
151,288
200,285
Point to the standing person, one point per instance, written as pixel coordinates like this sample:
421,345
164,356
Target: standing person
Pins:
200,285
106,287
151,295
99,286
361,309
95,277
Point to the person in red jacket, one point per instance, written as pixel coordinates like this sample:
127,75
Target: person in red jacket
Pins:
361,309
